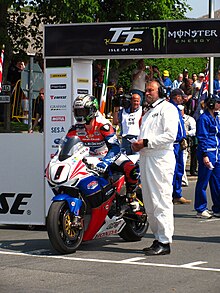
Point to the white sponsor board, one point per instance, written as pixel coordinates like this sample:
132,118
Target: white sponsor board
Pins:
62,85
58,113
22,179
82,77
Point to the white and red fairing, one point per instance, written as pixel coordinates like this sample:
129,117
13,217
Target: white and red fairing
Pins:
69,171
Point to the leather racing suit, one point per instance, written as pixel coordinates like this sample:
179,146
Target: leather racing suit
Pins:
104,144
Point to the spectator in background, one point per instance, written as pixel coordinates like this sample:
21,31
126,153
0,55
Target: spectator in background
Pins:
177,82
129,119
197,85
194,77
98,80
185,74
39,119
190,128
196,91
188,90
167,82
18,96
216,86
97,67
208,134
14,71
155,73
139,77
116,101
176,98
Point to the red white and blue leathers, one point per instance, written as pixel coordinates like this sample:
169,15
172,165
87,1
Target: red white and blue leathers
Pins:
104,144
208,134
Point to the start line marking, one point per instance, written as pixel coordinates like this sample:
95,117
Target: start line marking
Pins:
131,261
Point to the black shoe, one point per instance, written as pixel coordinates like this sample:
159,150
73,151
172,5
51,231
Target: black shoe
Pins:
152,246
158,249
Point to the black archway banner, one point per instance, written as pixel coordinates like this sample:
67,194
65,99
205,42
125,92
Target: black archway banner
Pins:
133,39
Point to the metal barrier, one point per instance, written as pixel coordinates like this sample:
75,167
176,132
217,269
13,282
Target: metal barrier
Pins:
19,104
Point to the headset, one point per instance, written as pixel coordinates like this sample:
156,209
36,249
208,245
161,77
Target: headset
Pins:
161,92
211,101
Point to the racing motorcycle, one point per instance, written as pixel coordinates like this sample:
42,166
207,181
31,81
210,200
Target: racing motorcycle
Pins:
87,205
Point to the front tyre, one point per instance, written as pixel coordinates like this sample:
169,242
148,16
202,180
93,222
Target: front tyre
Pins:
64,236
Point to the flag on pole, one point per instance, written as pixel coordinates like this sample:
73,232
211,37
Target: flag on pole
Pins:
205,85
203,93
1,68
104,88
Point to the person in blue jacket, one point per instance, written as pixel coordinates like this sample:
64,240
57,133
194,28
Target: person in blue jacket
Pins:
167,82
208,153
216,84
177,98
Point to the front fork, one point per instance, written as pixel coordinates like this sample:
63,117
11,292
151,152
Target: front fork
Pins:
74,205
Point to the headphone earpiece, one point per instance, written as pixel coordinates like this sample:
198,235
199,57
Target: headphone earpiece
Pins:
211,102
160,92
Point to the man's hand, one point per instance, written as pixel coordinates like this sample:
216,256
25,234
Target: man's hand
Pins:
137,145
183,144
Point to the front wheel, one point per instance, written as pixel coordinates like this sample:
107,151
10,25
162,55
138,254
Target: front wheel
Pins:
64,234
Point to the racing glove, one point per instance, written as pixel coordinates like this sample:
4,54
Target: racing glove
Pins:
102,167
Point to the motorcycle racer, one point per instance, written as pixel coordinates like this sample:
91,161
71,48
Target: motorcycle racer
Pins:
96,132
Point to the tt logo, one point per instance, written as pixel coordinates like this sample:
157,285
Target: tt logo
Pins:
123,36
18,201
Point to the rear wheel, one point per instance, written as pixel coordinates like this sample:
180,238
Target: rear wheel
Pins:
135,228
64,229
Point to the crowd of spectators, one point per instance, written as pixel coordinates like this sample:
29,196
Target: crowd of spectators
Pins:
191,85
192,105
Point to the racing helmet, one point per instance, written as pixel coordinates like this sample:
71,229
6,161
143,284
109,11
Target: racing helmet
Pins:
85,108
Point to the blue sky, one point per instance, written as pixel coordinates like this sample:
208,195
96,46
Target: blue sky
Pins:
201,7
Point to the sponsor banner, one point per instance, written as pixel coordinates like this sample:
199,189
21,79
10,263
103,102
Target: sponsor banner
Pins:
82,80
58,118
82,77
58,113
81,91
58,86
185,37
58,75
22,179
62,86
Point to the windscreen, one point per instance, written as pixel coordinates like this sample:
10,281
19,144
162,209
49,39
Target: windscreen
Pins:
69,146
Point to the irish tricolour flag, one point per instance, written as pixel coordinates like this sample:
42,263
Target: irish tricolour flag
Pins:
104,88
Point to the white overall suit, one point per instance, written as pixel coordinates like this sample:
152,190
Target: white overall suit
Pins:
157,164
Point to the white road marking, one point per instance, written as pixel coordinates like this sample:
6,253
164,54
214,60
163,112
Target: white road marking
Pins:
209,220
133,259
190,266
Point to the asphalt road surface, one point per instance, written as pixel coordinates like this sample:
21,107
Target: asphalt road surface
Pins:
29,264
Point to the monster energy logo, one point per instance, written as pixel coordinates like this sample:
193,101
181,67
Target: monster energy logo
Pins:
159,34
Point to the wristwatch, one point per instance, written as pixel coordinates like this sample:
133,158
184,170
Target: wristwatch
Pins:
145,142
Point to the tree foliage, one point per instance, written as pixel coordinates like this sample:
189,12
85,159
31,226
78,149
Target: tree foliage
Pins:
20,20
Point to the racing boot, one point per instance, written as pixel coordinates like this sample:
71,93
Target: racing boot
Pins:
132,198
